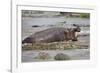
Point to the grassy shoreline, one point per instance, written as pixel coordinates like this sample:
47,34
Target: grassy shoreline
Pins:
55,46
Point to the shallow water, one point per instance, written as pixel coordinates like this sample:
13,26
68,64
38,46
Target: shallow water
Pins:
74,54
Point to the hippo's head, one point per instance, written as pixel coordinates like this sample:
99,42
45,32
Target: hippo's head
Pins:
77,29
71,33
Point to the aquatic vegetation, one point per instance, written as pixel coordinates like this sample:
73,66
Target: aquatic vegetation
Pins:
85,15
54,46
27,47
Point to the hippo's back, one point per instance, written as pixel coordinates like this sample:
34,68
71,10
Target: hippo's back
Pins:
50,31
49,35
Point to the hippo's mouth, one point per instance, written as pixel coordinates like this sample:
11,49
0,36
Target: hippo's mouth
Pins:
76,34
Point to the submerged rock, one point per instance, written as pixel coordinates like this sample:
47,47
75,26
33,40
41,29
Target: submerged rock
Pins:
61,56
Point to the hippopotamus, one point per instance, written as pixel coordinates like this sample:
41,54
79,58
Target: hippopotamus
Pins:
56,34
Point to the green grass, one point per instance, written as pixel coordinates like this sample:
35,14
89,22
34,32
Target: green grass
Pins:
82,15
85,15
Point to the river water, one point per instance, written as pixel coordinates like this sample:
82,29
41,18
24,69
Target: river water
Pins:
75,54
45,23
